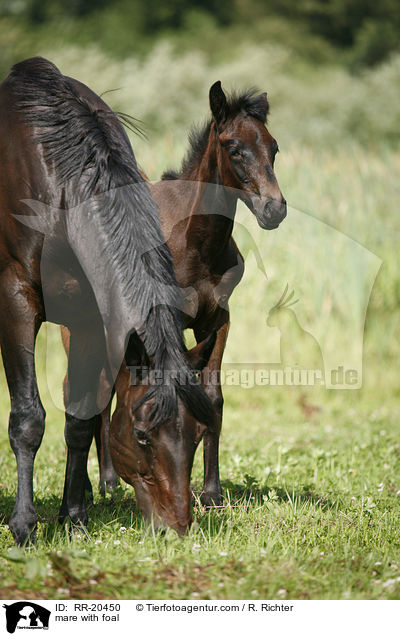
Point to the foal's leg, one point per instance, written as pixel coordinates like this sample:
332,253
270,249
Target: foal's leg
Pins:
212,491
19,324
108,477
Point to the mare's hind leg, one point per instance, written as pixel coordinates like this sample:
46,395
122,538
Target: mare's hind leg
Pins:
19,323
212,492
85,361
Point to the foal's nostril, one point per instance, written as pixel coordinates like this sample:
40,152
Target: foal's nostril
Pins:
275,210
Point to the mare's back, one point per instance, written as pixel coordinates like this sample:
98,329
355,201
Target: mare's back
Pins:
52,129
22,176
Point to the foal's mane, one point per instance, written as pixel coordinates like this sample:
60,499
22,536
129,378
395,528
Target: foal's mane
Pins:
91,155
248,102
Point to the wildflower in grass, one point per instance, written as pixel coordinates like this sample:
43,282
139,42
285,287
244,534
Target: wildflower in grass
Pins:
117,542
196,547
92,582
122,529
282,592
62,591
98,541
223,554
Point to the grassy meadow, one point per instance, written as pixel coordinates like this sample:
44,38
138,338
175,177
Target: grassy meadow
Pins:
311,476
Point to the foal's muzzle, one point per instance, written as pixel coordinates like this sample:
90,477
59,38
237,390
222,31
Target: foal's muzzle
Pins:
272,215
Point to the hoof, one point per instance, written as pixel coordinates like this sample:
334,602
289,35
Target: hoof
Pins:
23,528
63,513
78,518
211,499
108,485
89,500
88,490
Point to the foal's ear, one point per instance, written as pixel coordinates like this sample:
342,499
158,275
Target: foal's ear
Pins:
200,354
218,103
263,106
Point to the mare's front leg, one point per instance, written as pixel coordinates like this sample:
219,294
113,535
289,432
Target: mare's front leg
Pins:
85,361
212,492
65,337
78,437
20,319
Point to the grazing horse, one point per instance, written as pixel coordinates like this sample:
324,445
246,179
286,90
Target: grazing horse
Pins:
81,247
230,158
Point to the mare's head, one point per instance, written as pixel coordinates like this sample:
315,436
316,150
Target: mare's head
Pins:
246,153
157,458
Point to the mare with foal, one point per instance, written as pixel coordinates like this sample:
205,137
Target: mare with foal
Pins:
81,245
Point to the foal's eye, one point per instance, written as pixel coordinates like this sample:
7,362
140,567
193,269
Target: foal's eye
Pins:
142,437
234,152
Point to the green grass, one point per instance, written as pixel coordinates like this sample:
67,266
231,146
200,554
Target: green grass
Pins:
311,511
311,503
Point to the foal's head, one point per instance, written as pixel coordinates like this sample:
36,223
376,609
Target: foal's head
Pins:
246,153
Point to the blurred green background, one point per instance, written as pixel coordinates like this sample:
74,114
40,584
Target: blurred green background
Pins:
332,68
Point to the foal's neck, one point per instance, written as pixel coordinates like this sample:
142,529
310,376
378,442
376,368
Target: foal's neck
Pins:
213,208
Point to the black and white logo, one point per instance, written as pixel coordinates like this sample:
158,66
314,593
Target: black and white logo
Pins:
26,615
